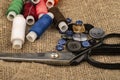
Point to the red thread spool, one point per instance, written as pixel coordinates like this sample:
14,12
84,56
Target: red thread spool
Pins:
41,8
30,13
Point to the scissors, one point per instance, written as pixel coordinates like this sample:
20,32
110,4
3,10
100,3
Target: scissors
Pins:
70,58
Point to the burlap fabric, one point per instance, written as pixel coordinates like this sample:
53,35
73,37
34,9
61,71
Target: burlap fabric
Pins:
101,13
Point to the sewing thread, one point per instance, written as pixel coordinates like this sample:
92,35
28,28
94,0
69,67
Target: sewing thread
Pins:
39,27
35,1
41,8
30,13
59,20
18,31
14,9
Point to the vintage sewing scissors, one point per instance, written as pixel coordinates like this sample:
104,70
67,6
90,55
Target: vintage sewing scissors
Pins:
69,58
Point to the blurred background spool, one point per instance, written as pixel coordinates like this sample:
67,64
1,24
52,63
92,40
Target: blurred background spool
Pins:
14,9
18,32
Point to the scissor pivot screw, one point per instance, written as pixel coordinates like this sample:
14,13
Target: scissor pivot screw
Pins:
54,55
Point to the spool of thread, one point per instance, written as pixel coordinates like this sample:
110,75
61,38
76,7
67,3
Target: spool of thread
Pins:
39,27
29,13
56,2
18,32
59,19
35,1
50,3
14,9
41,8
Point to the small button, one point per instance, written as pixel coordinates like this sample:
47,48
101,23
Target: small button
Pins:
79,22
86,44
96,33
69,20
59,47
73,46
69,32
92,41
66,37
62,42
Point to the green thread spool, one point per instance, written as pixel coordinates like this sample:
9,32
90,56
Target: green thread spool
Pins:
14,9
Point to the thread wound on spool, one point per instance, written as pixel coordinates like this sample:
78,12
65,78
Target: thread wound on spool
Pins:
58,18
56,2
35,1
41,8
15,8
40,26
50,3
30,13
18,32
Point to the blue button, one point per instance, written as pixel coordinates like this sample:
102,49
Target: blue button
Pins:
59,47
79,22
69,20
62,42
69,32
85,44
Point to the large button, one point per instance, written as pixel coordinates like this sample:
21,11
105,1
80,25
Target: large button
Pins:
96,33
73,46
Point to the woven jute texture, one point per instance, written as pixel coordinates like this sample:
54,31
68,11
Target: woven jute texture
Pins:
101,13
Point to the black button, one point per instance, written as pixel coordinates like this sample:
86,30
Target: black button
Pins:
73,46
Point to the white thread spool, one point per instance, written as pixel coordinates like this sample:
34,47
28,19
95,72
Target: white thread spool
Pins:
35,1
30,20
50,3
63,26
11,15
18,32
32,36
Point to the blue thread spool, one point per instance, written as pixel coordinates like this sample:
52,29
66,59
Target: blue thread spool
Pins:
40,26
85,44
62,42
59,47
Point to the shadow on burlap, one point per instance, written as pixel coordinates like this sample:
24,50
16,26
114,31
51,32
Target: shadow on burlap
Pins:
101,13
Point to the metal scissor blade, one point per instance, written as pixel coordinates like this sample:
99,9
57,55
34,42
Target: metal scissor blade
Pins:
50,58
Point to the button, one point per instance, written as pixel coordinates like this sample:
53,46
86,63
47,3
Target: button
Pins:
80,37
78,29
69,32
62,42
92,41
88,27
79,22
84,37
86,44
76,37
59,47
73,46
66,37
96,33
69,20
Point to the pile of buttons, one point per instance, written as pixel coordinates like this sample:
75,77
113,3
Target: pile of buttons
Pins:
79,36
